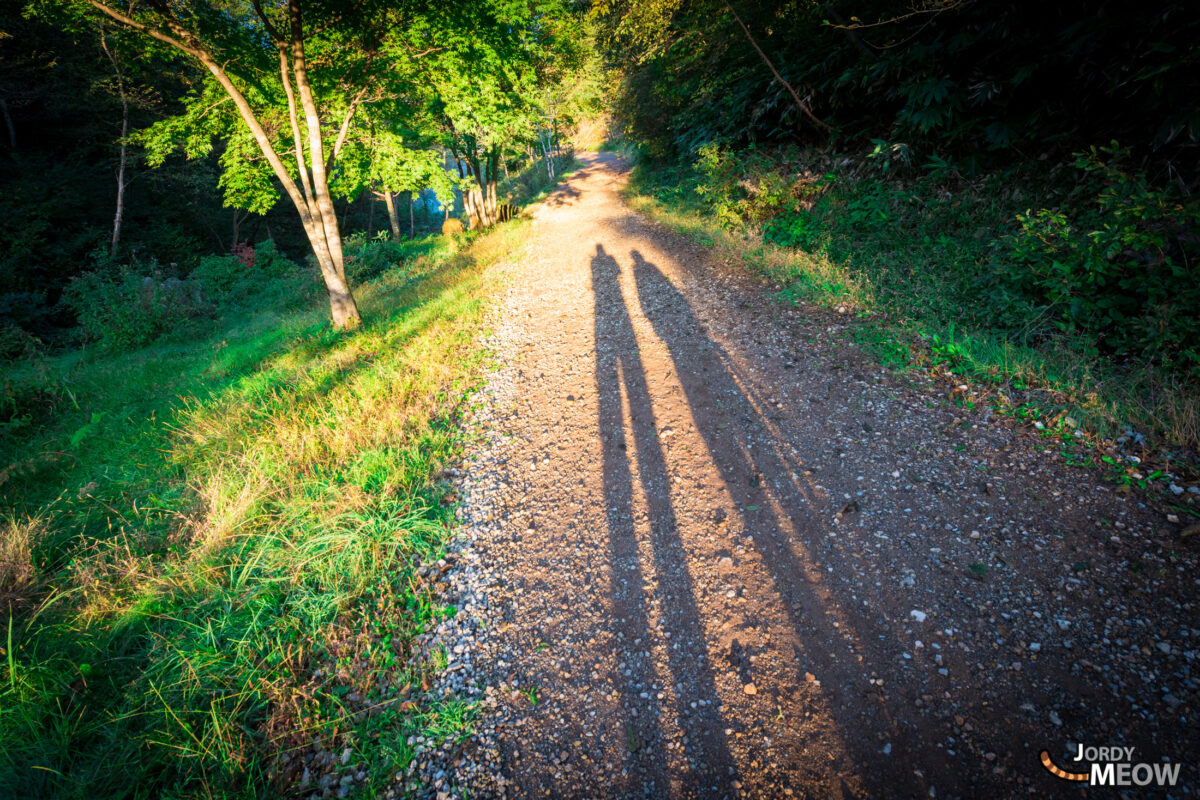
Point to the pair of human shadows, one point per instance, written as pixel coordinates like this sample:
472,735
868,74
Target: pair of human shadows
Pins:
760,472
619,366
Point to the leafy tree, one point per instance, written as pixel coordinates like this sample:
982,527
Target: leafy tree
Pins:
491,86
282,84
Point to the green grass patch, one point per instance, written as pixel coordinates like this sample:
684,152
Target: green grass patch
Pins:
211,547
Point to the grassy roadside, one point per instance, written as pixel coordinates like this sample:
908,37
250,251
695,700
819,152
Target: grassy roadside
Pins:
910,263
212,549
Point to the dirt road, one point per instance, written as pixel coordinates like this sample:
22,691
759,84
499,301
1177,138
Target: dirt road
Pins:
713,551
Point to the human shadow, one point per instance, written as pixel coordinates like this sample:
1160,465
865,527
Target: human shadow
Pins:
776,516
621,381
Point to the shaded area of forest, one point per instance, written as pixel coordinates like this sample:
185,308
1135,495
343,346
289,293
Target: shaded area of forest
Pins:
980,83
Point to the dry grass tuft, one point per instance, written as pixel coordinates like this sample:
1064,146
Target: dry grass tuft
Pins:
19,578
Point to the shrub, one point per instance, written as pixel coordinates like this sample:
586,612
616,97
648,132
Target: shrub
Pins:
270,261
259,274
243,253
127,310
225,275
370,258
790,230
755,188
16,342
26,398
1124,265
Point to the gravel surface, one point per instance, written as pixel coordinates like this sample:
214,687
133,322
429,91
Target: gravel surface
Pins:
712,550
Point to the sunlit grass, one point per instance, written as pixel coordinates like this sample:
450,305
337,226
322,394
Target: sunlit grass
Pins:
220,563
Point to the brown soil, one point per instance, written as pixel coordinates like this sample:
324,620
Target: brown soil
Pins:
731,555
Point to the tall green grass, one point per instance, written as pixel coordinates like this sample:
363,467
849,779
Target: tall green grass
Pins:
211,548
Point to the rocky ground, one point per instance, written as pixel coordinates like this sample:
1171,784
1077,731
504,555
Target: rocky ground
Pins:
712,550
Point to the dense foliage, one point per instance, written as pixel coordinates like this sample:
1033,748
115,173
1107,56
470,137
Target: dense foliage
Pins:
962,78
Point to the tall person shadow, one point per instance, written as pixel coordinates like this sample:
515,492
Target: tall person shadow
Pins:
654,602
777,520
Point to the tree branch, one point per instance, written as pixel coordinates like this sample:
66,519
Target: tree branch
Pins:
914,13
146,29
345,127
272,31
426,52
297,139
803,106
850,34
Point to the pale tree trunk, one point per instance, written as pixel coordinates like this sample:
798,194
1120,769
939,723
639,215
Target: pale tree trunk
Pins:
412,223
123,158
323,225
480,198
389,200
468,167
544,141
489,188
119,216
473,203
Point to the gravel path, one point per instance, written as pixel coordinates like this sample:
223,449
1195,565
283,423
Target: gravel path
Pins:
711,550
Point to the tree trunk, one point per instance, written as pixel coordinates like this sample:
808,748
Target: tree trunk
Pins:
239,216
412,223
389,200
119,216
123,158
323,229
8,123
341,302
544,141
489,189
